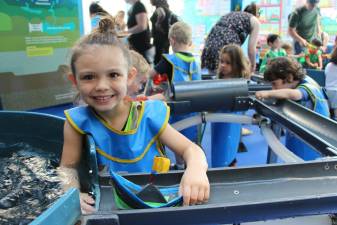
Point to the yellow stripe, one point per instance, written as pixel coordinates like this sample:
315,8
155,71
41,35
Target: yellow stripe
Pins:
115,159
120,131
72,123
185,58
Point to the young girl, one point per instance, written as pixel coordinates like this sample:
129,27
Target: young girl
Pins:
233,63
126,133
226,136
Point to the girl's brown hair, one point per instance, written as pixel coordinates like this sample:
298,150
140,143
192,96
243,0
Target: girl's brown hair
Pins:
104,35
252,8
240,64
282,67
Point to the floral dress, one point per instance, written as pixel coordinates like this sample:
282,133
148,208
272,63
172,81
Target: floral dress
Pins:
232,28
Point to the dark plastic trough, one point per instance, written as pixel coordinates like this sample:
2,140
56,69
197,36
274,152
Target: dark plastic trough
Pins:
42,132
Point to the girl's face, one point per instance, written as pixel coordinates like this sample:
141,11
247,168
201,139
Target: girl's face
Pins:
137,85
276,44
225,66
101,75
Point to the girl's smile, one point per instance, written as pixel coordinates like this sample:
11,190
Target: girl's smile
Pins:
102,77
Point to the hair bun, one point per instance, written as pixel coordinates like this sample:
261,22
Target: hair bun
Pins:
107,24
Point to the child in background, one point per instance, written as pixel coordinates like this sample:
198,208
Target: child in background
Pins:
290,53
126,133
289,81
274,42
233,63
138,74
120,22
96,13
177,67
331,82
180,66
313,55
226,136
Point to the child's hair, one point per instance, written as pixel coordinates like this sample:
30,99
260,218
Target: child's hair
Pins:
103,35
286,46
121,12
316,42
139,62
334,56
282,67
181,32
252,8
272,37
240,64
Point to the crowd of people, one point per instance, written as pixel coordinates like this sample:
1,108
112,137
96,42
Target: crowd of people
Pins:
128,125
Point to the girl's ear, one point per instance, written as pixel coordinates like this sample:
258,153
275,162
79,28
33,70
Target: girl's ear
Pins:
132,75
72,78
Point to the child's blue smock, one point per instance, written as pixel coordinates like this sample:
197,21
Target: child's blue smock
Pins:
315,99
130,151
225,143
184,68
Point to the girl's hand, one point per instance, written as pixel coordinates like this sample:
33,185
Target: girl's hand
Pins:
87,203
194,186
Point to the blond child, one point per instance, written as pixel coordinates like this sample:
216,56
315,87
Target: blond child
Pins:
139,74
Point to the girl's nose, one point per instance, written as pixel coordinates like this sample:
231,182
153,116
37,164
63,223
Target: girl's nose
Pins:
102,84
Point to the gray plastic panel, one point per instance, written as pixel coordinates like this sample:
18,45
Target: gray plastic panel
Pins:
239,195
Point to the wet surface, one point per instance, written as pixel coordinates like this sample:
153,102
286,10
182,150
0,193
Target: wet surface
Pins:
28,183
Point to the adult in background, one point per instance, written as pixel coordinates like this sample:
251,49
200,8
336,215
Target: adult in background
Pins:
232,28
160,28
304,25
138,28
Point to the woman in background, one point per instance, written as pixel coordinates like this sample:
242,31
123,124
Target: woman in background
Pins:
232,28
160,28
138,28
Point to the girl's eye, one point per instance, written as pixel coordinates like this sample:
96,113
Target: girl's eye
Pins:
114,75
87,77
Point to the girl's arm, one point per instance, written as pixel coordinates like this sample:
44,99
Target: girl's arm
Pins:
194,185
141,19
253,37
307,60
292,94
320,62
71,156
